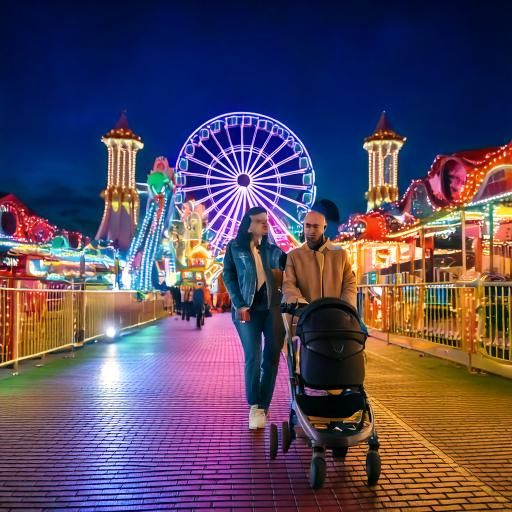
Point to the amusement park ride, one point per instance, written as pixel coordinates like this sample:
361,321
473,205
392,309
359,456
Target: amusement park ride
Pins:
227,165
242,159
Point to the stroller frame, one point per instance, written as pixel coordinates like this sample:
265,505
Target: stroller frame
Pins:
324,432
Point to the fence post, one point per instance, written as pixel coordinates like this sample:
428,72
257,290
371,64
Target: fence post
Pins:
389,293
16,340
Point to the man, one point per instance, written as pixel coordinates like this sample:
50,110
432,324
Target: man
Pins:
318,268
198,301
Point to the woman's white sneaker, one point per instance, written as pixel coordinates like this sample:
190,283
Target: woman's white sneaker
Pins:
257,418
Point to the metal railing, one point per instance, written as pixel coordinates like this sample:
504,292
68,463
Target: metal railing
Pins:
495,327
34,322
473,319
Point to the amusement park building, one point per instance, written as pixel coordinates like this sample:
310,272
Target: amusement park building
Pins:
32,249
121,212
453,224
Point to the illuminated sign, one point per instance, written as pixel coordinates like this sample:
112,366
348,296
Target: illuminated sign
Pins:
10,261
197,262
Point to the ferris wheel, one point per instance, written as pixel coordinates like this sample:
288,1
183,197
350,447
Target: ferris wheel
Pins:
243,159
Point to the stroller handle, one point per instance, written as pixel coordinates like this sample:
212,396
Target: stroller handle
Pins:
293,308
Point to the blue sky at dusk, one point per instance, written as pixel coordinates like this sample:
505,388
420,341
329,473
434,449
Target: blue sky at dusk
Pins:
442,71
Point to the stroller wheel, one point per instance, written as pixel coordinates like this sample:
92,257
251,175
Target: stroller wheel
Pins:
317,471
273,441
286,437
292,423
373,466
339,453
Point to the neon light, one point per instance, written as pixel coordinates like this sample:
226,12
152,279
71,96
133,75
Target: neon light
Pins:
254,173
275,166
212,173
233,150
201,163
210,177
260,152
232,171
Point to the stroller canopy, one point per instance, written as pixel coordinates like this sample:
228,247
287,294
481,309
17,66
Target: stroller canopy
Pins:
332,343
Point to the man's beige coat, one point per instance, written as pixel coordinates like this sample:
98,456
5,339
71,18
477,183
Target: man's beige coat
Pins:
310,275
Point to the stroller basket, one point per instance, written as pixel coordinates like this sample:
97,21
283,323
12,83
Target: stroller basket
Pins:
332,343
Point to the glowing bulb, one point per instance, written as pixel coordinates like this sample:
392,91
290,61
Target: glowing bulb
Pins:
111,331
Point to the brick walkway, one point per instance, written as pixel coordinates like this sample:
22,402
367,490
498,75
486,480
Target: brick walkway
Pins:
157,420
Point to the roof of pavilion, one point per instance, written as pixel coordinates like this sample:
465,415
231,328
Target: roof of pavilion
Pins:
453,181
122,130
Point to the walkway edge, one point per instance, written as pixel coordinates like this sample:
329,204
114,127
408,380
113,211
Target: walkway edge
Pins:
442,455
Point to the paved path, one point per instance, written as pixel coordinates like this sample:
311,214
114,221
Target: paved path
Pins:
157,421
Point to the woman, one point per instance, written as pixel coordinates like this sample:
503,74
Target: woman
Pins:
254,291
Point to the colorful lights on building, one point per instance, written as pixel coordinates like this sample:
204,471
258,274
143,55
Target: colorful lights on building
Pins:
383,147
121,211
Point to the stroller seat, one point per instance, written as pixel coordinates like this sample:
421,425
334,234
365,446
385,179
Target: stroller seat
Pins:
331,406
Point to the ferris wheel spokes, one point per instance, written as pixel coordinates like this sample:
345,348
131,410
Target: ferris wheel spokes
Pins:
230,216
206,198
272,215
251,147
231,171
275,166
296,203
229,200
260,152
223,152
201,187
210,177
269,157
284,185
228,191
203,164
241,202
275,205
281,175
233,150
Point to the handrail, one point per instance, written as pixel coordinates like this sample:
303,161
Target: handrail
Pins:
36,321
473,319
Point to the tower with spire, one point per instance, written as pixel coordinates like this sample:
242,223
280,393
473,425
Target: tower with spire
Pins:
383,146
121,198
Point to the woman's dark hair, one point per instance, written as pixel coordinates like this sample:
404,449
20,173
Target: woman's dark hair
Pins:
243,237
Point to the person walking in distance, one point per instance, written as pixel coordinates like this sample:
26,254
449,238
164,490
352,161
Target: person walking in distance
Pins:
198,304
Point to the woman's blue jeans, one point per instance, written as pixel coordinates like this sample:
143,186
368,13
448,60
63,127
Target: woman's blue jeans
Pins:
261,364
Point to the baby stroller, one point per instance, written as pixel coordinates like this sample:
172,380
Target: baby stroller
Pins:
329,406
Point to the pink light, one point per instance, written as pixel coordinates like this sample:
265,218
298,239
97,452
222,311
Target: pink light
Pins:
260,152
230,171
275,166
233,170
269,157
233,150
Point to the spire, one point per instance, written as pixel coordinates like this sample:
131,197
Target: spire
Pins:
384,131
383,124
122,122
122,130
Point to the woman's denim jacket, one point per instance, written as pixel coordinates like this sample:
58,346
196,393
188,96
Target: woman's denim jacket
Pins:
239,273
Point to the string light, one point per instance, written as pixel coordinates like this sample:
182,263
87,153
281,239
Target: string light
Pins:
121,195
